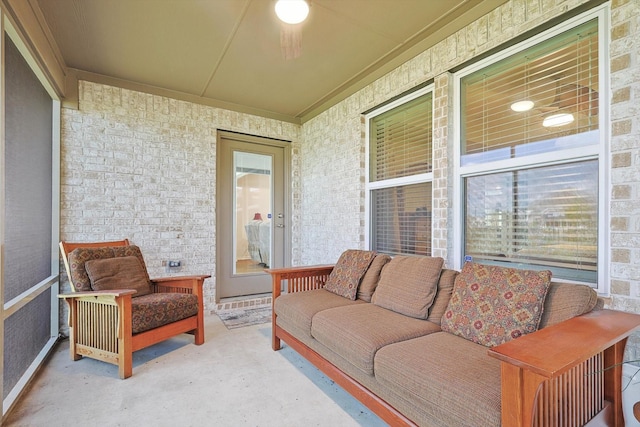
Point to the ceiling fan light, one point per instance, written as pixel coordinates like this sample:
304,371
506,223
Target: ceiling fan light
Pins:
292,11
556,120
522,106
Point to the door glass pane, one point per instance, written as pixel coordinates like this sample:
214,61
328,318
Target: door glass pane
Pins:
252,232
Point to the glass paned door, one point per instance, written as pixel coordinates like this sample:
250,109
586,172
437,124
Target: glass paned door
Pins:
251,220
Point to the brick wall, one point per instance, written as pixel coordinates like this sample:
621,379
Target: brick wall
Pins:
143,167
340,129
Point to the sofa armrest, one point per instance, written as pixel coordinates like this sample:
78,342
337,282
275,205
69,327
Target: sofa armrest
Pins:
587,346
298,278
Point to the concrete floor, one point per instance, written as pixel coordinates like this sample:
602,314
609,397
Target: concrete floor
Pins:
234,379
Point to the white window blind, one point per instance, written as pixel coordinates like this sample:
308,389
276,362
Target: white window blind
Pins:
558,78
401,140
400,166
539,103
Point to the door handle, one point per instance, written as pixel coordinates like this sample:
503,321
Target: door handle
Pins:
280,225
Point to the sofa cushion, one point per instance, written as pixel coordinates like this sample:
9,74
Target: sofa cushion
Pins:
491,305
438,368
348,271
408,285
443,295
371,277
299,307
565,301
118,273
154,310
357,332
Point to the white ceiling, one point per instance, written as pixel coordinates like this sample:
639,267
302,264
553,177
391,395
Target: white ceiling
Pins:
228,51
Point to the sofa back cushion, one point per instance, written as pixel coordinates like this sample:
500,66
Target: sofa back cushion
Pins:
491,305
565,301
443,295
118,273
348,271
408,285
79,256
372,277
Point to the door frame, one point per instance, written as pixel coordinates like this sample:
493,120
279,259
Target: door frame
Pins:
258,140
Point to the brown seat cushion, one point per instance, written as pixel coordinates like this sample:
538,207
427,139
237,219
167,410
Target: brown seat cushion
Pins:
408,285
155,310
491,305
357,332
565,300
371,278
441,367
118,273
298,308
345,277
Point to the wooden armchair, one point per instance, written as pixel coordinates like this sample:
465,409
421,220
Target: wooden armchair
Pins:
115,309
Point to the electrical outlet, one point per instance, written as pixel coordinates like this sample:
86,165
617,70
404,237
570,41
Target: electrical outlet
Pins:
173,264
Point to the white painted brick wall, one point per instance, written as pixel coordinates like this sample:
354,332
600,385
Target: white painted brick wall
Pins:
142,167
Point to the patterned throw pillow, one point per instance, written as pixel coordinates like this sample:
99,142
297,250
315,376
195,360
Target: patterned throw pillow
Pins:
345,276
491,305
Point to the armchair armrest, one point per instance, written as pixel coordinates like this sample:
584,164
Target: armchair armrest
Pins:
108,293
570,348
193,284
298,279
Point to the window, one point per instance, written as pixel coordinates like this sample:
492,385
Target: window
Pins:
400,175
530,148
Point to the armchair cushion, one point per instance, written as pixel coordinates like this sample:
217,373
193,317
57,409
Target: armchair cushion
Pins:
154,310
79,256
118,273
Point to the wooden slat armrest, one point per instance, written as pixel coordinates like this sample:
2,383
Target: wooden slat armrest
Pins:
115,293
556,349
278,275
194,283
180,278
310,270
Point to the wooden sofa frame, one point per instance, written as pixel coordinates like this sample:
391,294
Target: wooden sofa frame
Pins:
566,374
100,322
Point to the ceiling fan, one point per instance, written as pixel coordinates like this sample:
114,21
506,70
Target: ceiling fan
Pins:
292,14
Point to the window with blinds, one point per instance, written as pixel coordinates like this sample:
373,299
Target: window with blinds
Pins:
539,103
400,175
536,101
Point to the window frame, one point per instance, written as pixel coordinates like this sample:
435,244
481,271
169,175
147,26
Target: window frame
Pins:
598,152
393,182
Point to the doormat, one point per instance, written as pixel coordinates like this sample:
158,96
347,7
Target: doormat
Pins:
241,317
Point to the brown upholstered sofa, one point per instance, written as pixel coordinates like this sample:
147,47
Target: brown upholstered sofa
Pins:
406,337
